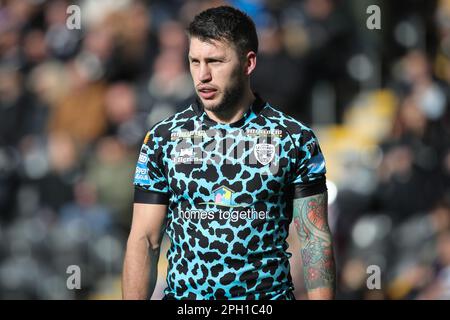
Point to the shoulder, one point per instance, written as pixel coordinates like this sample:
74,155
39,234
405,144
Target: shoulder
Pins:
164,127
295,128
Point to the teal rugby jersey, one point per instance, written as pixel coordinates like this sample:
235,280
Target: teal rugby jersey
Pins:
229,190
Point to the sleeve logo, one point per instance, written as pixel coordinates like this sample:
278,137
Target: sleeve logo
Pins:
143,158
147,137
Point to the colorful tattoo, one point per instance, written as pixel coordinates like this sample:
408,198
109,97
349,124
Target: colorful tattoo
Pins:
310,219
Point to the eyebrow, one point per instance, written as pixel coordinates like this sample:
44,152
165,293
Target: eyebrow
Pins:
208,58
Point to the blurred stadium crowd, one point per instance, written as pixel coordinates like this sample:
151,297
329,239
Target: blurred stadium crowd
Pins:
76,104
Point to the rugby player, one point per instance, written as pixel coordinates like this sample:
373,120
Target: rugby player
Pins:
224,178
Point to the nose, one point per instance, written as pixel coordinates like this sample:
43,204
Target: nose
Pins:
205,73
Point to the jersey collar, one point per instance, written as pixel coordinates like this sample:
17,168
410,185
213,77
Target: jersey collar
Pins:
255,108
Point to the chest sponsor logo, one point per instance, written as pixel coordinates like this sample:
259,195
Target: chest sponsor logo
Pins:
194,134
186,152
277,133
222,196
186,155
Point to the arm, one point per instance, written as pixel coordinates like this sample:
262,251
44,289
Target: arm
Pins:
142,254
310,218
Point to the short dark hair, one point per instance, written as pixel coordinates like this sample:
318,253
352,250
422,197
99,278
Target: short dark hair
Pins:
225,23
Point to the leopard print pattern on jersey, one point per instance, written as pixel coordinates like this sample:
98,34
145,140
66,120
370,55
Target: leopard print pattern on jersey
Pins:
231,190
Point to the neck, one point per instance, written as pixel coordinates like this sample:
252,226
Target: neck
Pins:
236,112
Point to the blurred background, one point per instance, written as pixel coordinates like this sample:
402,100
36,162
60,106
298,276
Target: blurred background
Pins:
76,104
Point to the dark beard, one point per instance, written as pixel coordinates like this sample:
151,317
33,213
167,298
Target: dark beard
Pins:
231,97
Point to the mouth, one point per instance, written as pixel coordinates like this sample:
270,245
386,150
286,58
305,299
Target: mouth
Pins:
207,93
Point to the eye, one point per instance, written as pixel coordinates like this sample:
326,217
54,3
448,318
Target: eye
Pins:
194,62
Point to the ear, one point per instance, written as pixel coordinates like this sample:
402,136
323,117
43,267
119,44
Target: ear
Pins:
250,63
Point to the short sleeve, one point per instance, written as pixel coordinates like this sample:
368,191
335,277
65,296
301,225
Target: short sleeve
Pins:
150,182
310,170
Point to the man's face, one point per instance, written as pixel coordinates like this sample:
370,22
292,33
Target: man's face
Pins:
217,72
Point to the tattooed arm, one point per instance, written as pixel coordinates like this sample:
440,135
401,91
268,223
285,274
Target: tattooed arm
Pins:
310,218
